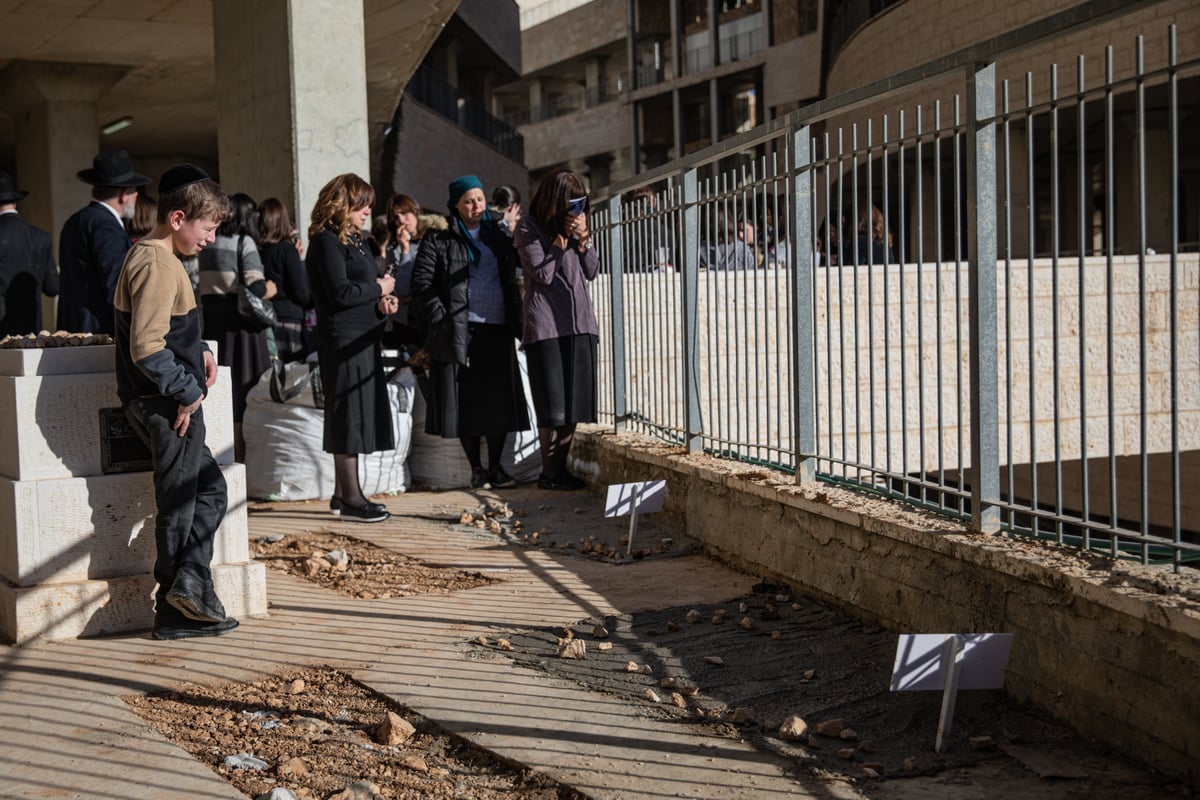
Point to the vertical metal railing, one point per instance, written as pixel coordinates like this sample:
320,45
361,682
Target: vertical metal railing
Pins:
957,304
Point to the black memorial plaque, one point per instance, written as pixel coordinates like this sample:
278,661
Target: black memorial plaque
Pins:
121,450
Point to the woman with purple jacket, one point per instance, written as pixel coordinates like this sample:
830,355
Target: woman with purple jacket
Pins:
557,260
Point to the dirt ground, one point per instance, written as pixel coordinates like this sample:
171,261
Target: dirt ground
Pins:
317,732
766,656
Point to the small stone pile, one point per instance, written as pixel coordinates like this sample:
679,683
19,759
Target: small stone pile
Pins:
40,339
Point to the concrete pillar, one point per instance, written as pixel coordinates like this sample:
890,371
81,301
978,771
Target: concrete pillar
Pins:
678,69
453,48
53,107
1156,190
536,99
714,111
594,79
599,174
1018,175
291,98
714,36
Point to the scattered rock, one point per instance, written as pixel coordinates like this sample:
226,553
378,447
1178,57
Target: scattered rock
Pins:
746,624
632,666
776,635
482,640
297,686
578,510
689,691
245,761
394,730
600,632
572,648
337,557
846,753
743,716
414,762
830,727
795,606
693,617
981,743
869,772
848,734
866,746
875,765
647,670
910,764
715,660
793,729
743,608
672,625
668,683
504,644
604,646
278,793
809,674
293,766
678,700
359,790
651,695
309,725
271,538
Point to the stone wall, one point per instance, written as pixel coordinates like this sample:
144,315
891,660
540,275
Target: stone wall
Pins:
1114,659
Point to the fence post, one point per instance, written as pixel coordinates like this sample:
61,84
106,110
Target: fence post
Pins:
693,424
616,260
801,251
981,258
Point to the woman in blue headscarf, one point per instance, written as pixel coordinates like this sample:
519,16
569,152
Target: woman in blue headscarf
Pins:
467,302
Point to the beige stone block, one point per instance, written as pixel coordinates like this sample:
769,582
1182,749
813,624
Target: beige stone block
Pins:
50,424
58,360
75,529
115,605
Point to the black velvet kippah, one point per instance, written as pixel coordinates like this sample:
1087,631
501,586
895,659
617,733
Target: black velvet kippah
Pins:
179,176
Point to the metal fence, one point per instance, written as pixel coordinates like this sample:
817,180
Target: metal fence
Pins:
987,306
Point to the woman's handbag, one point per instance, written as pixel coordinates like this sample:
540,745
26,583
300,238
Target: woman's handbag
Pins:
256,313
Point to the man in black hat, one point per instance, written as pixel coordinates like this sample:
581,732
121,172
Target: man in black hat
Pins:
26,266
94,242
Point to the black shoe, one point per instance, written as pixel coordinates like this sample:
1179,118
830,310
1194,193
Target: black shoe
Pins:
211,600
367,512
190,629
189,596
499,479
480,478
561,483
335,505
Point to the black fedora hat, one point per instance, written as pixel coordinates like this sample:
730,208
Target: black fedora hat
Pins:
7,193
113,168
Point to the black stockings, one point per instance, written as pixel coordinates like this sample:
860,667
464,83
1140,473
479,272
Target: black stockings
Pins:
556,444
495,443
345,479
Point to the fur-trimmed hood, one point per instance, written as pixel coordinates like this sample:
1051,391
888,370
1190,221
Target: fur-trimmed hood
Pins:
430,222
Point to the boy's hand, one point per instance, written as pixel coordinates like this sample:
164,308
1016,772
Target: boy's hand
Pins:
210,368
183,417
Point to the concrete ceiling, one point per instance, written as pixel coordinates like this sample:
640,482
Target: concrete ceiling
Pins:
166,48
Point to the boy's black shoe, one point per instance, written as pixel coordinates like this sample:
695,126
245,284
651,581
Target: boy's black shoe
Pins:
561,483
367,512
499,479
480,478
172,626
195,598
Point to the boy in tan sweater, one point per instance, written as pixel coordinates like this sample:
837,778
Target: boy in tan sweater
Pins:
164,370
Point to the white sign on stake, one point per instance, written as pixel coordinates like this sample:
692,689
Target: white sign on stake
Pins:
950,661
642,497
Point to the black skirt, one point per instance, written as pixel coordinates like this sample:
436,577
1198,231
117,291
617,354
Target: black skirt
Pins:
562,378
358,414
481,398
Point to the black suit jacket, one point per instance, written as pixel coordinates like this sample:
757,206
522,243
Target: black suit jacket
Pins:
26,272
91,249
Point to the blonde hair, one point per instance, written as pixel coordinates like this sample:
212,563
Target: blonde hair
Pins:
337,200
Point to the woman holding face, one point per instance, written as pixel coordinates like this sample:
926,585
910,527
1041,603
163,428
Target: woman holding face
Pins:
352,302
466,299
558,260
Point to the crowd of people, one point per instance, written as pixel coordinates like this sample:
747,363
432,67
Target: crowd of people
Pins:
459,292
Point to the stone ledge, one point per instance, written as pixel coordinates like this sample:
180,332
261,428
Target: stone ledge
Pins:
913,571
115,605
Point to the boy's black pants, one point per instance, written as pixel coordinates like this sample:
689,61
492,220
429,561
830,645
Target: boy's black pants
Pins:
189,491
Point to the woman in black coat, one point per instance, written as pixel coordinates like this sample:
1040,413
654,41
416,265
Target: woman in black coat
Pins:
282,264
352,302
466,299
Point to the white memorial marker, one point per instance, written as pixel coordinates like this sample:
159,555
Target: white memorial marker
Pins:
642,497
950,662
